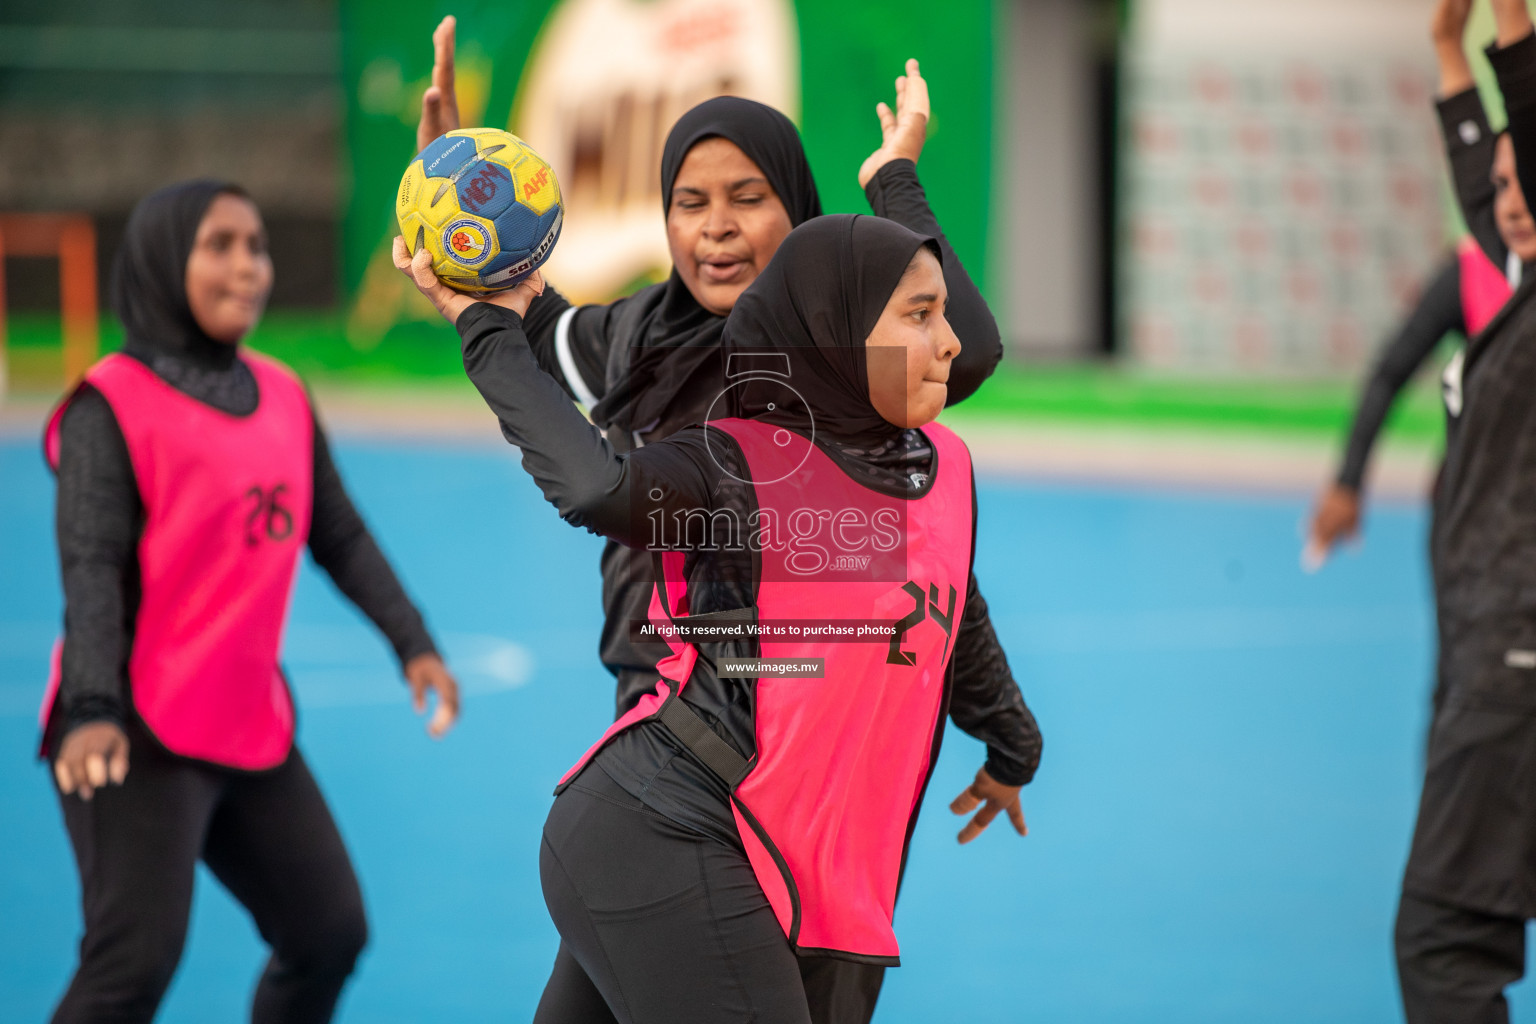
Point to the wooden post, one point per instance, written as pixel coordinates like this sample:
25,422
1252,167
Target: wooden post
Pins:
77,297
4,365
71,238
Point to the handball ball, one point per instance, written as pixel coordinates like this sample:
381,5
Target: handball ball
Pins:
484,204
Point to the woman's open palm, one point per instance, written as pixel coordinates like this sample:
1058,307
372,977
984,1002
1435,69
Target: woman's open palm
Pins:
903,131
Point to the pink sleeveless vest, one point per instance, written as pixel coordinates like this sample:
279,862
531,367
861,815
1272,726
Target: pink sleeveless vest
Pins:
826,804
227,503
1484,288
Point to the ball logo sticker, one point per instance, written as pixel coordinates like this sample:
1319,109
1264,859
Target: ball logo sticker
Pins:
465,243
534,184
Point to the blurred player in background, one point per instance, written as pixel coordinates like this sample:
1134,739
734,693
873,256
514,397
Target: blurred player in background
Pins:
1470,883
191,474
1467,292
1461,298
735,180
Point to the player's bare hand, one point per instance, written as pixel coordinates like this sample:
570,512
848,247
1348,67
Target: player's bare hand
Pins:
440,103
903,131
992,797
451,303
92,756
1335,520
427,672
1449,23
1512,18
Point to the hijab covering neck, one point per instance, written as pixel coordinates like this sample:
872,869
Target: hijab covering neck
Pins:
677,341
149,278
810,312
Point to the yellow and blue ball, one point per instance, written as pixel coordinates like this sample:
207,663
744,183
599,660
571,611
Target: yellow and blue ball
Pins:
484,204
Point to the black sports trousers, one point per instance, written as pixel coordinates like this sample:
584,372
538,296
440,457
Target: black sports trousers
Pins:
660,925
268,837
1453,964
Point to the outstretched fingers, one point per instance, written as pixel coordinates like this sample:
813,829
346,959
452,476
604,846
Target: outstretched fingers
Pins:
977,825
439,103
1016,816
442,54
912,92
447,708
968,800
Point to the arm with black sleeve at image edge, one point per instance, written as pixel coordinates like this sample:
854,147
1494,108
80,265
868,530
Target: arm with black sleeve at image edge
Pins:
341,544
1469,148
896,194
569,459
1515,67
98,520
985,701
1437,314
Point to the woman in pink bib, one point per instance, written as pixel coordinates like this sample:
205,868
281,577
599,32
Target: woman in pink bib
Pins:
191,476
814,540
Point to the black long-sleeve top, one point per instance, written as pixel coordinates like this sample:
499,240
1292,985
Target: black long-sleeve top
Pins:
1515,67
99,520
613,494
1483,528
1469,149
1437,314
1470,143
584,349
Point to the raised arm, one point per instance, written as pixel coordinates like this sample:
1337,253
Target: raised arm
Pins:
1469,139
1514,63
889,179
440,101
570,345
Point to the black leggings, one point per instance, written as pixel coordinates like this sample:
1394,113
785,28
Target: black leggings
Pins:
270,840
658,924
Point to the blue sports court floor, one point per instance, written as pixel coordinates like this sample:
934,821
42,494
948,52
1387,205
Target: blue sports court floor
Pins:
1216,832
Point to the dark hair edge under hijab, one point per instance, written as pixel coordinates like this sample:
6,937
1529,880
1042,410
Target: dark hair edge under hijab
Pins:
149,276
680,339
816,303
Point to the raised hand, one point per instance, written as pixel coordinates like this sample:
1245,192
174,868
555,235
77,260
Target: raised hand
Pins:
92,756
1447,28
902,132
451,303
992,796
1449,22
439,104
1513,19
427,672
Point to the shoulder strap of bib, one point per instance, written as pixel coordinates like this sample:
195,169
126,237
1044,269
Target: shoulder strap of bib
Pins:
680,719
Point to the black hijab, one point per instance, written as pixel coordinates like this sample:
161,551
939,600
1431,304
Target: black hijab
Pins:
149,277
811,310
677,340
